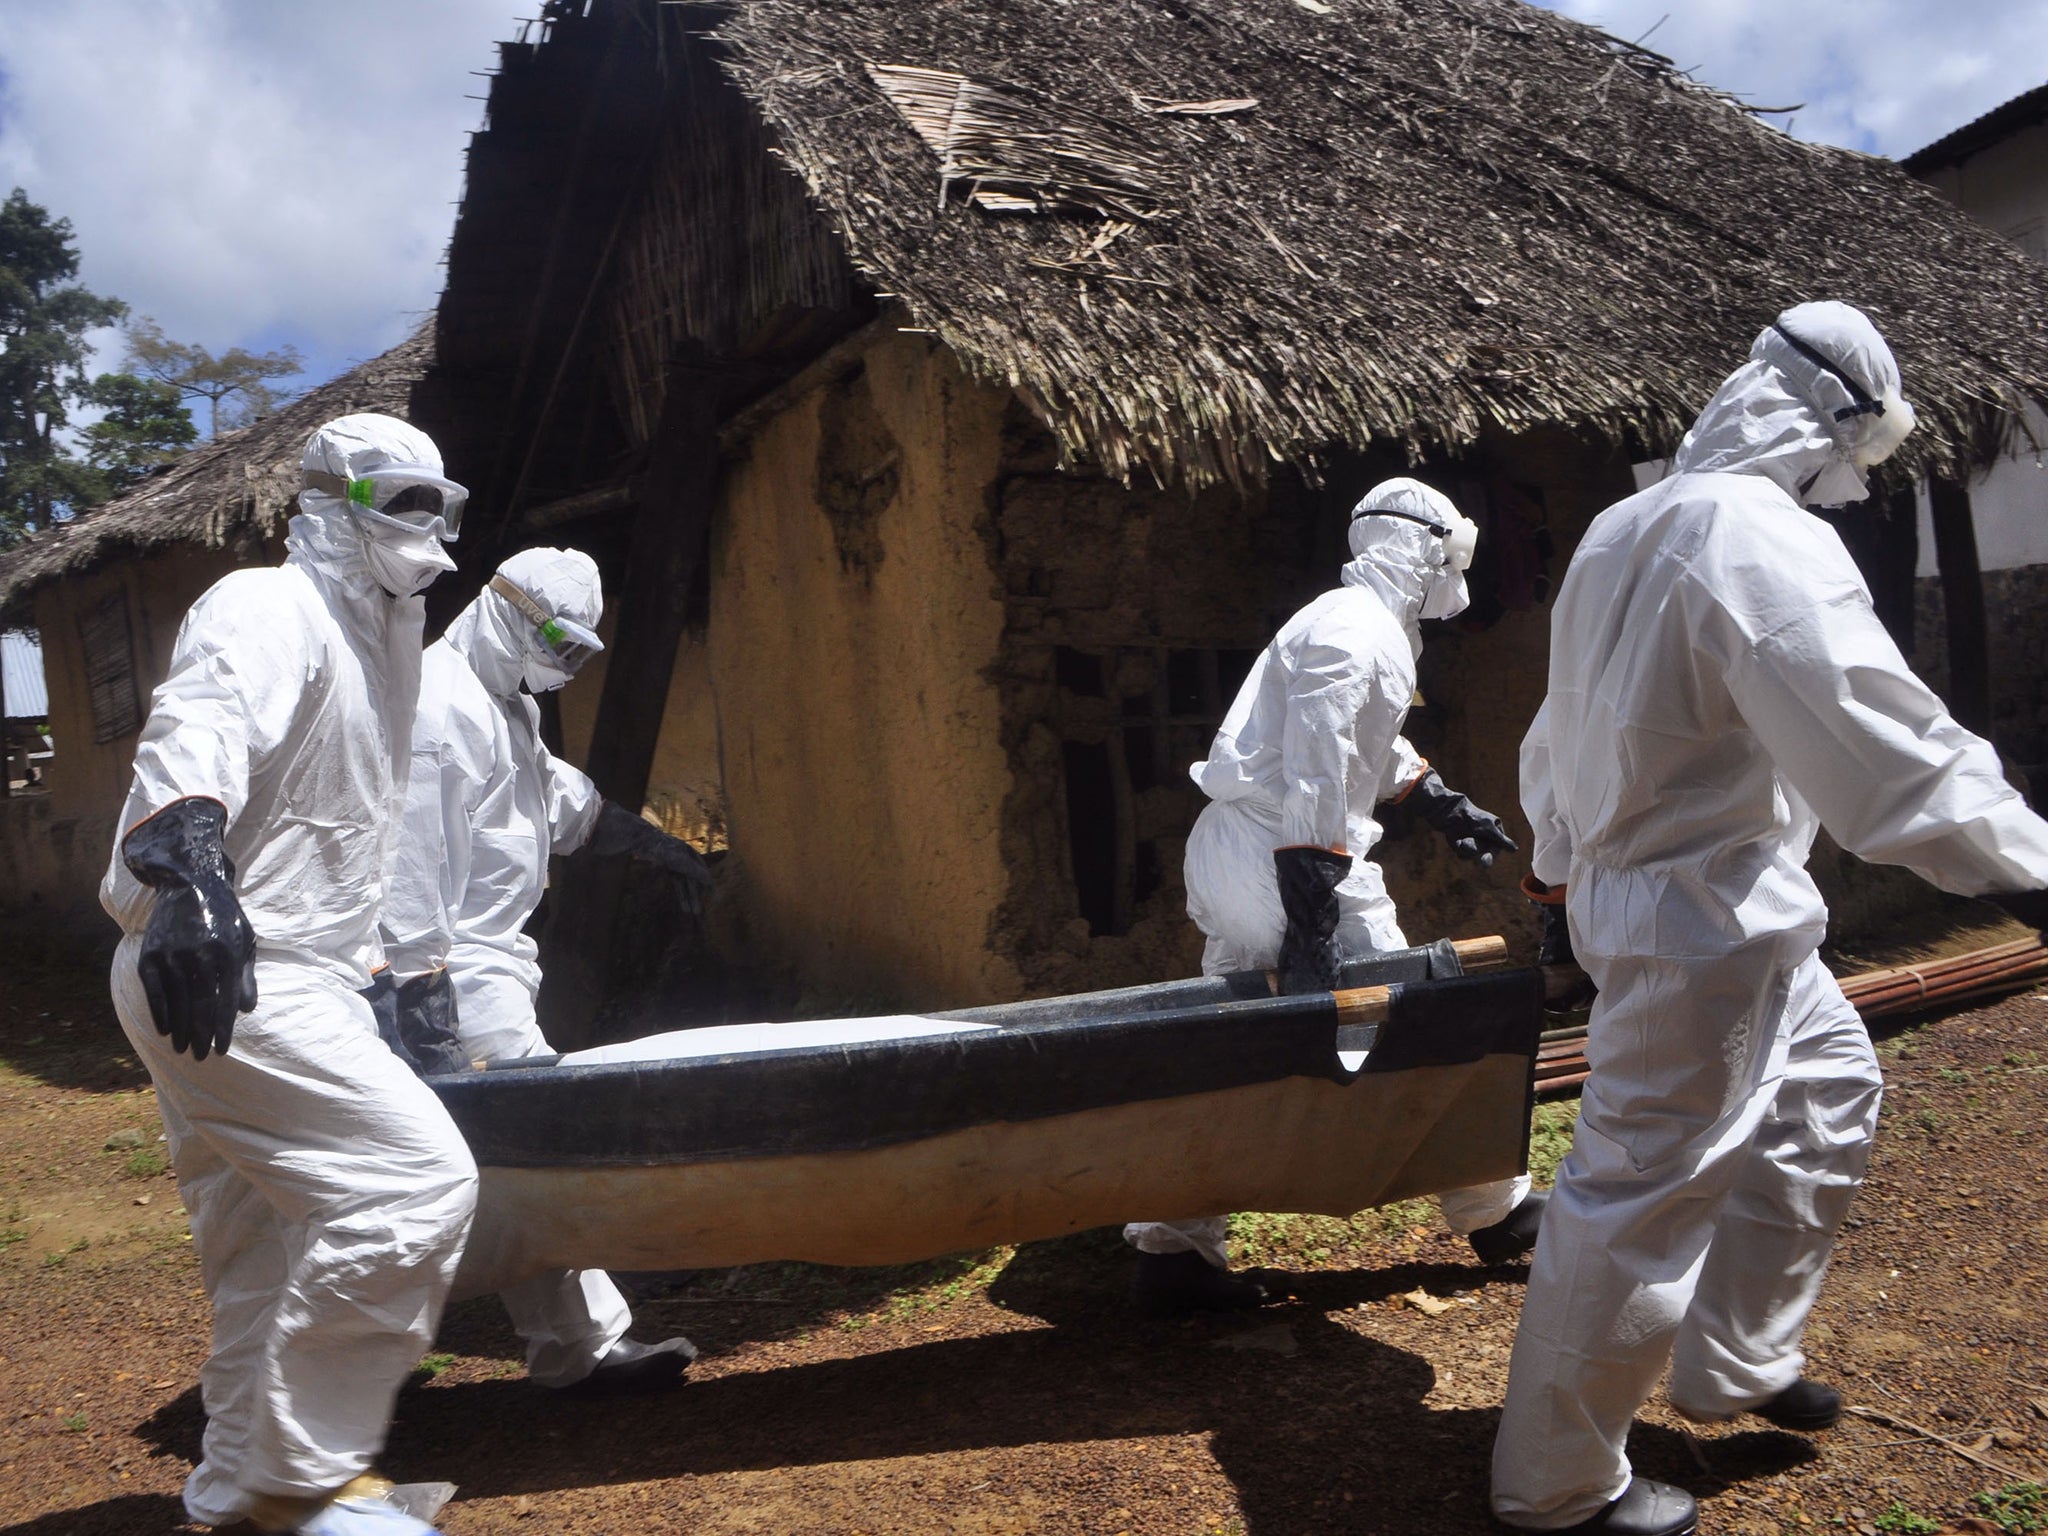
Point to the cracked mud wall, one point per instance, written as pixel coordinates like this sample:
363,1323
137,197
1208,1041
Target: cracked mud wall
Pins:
854,624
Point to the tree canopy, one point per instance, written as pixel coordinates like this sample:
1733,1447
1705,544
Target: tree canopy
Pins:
44,318
48,468
238,379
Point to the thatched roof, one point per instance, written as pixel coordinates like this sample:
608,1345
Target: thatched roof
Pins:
238,488
1269,228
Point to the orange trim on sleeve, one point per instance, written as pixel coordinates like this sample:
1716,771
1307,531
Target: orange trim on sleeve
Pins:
1409,788
1543,895
1319,848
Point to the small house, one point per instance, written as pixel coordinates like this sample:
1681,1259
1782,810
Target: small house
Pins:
957,394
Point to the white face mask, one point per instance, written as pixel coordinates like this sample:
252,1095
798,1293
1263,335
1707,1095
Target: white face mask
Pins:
404,562
1840,483
1448,596
541,674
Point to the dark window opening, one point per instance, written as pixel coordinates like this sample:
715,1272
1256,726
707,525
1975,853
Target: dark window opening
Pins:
1092,832
1164,705
1079,672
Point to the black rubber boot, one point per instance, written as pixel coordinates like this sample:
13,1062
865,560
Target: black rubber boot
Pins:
1805,1406
630,1367
1644,1509
1514,1234
1174,1284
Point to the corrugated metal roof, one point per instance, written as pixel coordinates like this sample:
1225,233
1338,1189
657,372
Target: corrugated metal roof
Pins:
21,655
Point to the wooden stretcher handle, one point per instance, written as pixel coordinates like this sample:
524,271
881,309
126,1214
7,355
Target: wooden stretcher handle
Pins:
1363,1005
1482,954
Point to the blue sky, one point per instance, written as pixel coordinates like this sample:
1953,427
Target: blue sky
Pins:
251,172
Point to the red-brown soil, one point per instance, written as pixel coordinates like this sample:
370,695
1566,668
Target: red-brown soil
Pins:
1014,1392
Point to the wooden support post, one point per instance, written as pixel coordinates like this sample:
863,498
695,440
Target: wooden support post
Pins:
1962,597
671,525
670,528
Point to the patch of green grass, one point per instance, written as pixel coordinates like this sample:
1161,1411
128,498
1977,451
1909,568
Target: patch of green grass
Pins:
56,1260
434,1365
145,1163
1550,1139
1953,1074
74,1422
1901,1521
1929,1122
2018,1509
10,1236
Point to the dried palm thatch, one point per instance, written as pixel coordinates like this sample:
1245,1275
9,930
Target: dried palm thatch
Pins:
1412,219
239,488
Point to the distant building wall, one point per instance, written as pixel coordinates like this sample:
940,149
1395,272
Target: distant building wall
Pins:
2003,185
55,844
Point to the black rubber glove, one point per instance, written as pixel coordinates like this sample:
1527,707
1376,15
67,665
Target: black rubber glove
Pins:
1309,878
1471,832
1565,983
198,960
2030,907
619,831
426,1024
416,1018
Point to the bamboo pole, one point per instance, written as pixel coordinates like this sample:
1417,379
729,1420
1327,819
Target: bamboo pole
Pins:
1893,990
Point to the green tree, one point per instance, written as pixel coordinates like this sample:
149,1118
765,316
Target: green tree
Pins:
44,318
145,423
238,379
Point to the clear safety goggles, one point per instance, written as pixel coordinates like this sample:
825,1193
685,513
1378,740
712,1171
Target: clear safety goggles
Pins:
570,643
402,497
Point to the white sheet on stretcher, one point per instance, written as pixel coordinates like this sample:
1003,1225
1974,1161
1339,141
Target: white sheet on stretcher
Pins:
730,1039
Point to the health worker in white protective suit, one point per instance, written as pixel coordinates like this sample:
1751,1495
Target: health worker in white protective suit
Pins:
1719,689
488,805
1277,869
329,1193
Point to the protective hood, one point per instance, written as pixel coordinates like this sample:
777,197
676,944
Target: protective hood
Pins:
502,644
1399,556
402,559
1817,406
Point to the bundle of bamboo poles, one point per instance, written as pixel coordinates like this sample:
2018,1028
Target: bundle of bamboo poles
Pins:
1561,1057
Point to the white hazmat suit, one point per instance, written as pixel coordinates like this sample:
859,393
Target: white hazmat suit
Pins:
488,806
1719,689
1310,747
329,1193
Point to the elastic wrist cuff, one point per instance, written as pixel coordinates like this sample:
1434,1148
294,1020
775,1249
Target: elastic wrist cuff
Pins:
1543,895
1409,788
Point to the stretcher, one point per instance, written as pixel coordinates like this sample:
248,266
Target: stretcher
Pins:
904,1137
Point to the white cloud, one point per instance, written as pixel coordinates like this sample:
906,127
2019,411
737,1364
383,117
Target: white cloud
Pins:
1883,76
251,172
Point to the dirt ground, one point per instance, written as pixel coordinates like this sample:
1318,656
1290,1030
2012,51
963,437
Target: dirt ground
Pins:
1012,1391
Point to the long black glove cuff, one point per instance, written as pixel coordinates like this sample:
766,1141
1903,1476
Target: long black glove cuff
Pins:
1472,833
181,845
619,831
2029,907
1555,947
1308,879
197,962
427,1024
